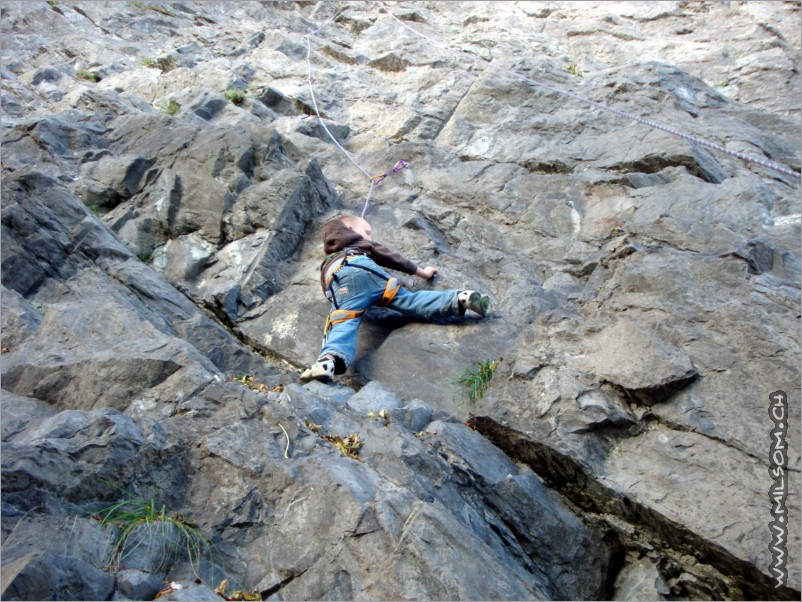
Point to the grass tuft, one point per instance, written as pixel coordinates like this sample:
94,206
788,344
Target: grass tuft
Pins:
474,381
89,76
234,95
147,527
170,107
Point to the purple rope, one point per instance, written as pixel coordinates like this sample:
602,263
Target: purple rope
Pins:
690,137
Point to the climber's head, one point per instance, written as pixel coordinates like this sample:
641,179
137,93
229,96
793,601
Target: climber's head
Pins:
358,225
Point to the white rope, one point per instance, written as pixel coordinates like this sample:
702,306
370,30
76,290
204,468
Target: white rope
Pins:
317,111
370,191
373,179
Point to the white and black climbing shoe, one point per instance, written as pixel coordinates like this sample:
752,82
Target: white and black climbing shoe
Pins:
474,301
322,370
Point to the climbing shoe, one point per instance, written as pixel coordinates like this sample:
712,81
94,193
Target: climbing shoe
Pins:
322,370
474,301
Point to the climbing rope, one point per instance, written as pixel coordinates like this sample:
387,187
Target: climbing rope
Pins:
648,122
374,180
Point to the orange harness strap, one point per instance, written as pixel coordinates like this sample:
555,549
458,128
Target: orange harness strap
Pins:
390,291
334,268
340,315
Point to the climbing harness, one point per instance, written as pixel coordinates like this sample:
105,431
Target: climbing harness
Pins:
647,122
374,180
336,316
328,277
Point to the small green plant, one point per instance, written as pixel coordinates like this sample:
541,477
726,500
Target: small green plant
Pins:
52,4
170,107
474,381
96,209
234,95
90,76
143,525
147,62
574,70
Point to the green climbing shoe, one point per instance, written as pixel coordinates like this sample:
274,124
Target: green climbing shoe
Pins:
474,301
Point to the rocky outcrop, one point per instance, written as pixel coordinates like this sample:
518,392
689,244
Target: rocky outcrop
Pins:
165,181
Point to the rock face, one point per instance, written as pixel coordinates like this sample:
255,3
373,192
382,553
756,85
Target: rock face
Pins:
165,180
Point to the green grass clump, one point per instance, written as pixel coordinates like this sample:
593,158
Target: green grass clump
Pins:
234,95
90,76
143,524
474,380
95,208
170,107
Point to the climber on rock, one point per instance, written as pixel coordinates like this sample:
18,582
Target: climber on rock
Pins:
353,281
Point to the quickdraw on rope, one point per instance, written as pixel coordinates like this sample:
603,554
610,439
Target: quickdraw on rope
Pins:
396,168
690,137
374,180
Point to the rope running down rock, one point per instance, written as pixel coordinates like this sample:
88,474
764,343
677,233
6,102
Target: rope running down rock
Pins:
374,180
653,124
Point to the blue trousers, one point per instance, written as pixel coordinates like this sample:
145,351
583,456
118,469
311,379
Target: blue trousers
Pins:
357,289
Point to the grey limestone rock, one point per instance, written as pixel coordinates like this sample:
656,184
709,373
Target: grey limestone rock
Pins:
582,163
53,576
132,584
